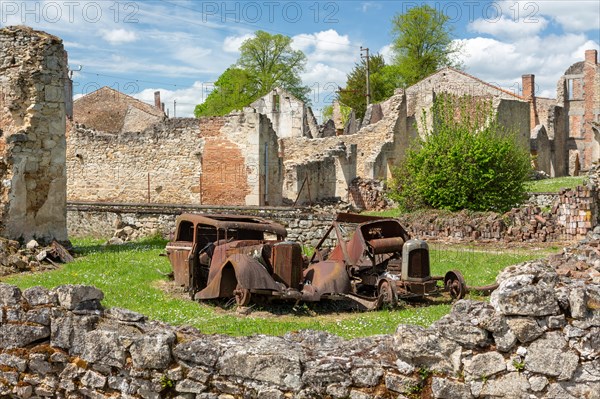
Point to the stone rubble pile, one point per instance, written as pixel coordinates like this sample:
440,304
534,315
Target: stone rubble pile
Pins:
369,194
538,337
15,258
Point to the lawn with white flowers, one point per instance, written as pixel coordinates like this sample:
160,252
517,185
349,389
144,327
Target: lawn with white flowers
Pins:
133,276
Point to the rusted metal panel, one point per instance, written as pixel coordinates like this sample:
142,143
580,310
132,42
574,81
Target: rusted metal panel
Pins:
287,263
226,222
327,277
238,271
178,253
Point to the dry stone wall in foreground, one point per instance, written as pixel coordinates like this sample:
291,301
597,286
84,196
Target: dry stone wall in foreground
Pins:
538,337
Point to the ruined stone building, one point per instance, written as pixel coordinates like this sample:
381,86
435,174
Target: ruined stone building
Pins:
230,160
33,83
564,136
111,111
289,116
272,152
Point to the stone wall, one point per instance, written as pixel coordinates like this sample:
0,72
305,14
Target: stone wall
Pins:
571,215
231,160
513,110
565,217
536,338
33,79
102,220
160,164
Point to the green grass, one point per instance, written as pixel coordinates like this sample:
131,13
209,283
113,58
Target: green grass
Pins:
554,185
131,275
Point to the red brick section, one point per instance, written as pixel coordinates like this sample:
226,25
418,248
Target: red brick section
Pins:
590,69
224,176
210,126
528,82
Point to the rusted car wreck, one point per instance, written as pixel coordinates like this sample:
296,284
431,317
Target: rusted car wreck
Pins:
241,257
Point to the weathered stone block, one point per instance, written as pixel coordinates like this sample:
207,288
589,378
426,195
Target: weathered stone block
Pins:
426,347
522,295
551,356
152,351
78,296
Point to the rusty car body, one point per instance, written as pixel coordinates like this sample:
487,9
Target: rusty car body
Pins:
241,257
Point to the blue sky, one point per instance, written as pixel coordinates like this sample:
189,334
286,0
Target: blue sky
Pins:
179,47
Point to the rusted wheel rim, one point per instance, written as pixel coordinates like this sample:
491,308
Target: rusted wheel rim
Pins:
386,293
242,296
455,284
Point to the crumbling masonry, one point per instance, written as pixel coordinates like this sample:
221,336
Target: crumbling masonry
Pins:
33,81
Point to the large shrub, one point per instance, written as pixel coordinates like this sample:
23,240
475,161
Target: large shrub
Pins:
466,160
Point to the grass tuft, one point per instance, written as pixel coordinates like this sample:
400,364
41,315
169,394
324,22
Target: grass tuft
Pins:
554,185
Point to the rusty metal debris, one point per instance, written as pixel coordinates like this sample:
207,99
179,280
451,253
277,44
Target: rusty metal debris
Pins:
246,258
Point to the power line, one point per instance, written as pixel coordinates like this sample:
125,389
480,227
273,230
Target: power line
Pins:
253,26
132,79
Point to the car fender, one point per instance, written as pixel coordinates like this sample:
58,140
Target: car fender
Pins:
238,271
327,277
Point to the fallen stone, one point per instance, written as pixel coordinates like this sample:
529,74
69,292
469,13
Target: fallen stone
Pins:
152,351
79,296
511,385
36,296
525,329
484,365
550,356
443,388
427,348
522,295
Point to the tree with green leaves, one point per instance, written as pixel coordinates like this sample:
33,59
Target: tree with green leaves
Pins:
233,90
383,80
266,61
467,160
272,62
422,43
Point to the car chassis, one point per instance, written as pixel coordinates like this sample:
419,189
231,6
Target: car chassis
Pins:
242,257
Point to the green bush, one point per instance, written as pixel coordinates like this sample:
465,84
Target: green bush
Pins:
467,161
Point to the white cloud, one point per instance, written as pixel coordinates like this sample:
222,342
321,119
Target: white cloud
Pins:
328,40
509,28
187,98
366,6
191,55
232,44
118,36
387,53
572,16
330,56
503,63
323,74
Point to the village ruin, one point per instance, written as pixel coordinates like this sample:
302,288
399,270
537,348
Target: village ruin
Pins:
536,338
276,154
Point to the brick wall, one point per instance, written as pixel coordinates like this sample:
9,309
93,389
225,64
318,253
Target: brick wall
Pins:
224,176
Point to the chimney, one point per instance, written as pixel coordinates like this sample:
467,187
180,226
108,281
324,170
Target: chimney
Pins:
528,83
157,102
591,56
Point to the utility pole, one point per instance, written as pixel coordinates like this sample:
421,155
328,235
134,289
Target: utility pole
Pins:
174,108
366,50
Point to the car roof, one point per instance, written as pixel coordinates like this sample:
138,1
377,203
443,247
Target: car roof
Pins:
225,222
